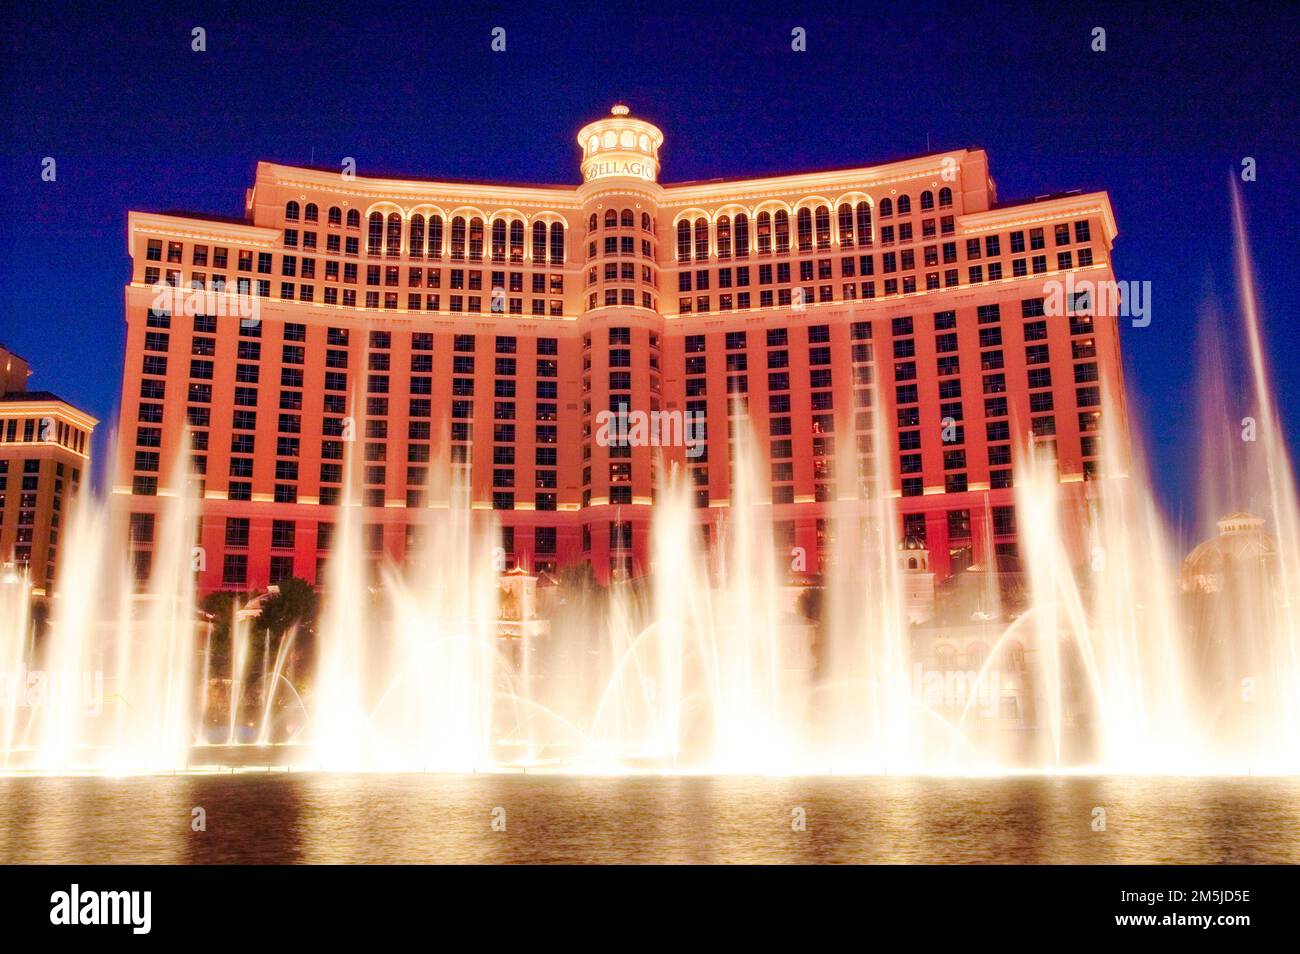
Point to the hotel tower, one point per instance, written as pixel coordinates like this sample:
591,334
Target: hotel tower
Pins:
367,333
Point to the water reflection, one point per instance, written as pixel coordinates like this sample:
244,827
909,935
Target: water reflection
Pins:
341,819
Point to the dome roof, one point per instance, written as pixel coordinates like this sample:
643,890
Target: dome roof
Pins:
1241,539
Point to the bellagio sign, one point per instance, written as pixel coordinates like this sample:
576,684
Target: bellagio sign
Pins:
634,168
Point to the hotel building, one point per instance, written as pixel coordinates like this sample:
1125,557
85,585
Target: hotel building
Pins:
400,321
44,453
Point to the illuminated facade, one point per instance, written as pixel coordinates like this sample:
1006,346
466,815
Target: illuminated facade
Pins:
44,454
397,324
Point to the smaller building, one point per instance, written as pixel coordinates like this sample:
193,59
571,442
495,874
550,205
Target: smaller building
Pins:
44,455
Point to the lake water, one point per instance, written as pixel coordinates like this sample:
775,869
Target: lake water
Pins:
318,818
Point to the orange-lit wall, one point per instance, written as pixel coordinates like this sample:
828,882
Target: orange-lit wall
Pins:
578,317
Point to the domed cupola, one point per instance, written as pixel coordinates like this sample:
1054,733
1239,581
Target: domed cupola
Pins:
619,146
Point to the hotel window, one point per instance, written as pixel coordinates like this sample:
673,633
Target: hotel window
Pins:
701,239
741,235
845,216
823,223
804,225
499,240
476,239
764,233
782,224
557,243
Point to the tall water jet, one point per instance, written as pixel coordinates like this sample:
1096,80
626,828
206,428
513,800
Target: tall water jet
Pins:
241,638
15,641
756,681
866,690
408,666
70,655
1282,652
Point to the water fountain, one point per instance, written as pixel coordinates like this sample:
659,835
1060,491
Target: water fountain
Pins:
707,665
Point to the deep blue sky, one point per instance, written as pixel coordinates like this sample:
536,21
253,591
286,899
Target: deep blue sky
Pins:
1160,120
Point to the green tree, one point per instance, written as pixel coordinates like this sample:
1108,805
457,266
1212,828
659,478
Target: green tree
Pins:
297,603
220,606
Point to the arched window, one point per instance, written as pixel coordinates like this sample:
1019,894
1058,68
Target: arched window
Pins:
742,235
592,223
683,241
394,243
557,243
804,221
1013,657
646,224
627,219
904,205
886,208
517,241
499,240
701,239
764,233
724,237
927,200
976,654
458,238
354,219
476,239
291,211
945,197
782,225
310,213
417,236
946,658
845,214
435,236
611,219
335,215
864,223
375,240
823,227
539,243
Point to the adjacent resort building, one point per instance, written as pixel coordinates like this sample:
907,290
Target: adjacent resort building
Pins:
355,337
44,456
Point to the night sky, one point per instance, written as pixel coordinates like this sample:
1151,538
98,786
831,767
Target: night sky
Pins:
1161,120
